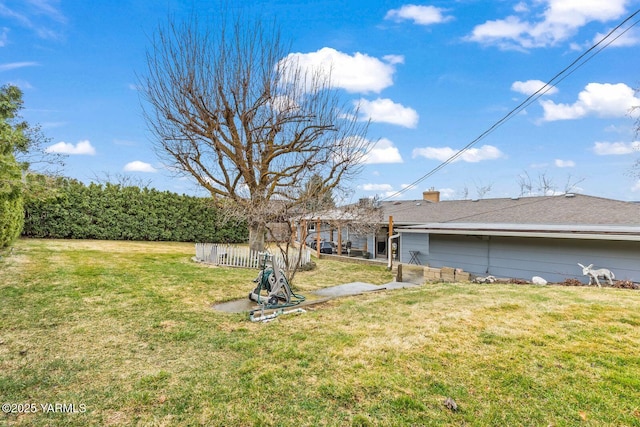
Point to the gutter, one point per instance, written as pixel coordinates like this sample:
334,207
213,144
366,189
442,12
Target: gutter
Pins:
582,234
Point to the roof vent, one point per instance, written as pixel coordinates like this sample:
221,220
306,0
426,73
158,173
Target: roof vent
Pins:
569,195
515,198
475,200
418,204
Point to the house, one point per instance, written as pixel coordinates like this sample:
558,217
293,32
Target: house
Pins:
364,229
517,237
521,237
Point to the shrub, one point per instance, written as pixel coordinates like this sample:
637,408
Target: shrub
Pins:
114,212
11,218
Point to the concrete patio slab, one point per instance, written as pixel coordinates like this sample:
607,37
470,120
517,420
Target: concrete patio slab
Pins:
348,289
236,306
399,285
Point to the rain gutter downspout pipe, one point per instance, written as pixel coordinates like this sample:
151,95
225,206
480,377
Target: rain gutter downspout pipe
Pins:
390,252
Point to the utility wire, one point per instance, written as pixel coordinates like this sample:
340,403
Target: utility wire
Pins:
567,71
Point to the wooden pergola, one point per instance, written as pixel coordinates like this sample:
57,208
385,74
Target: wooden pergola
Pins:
336,218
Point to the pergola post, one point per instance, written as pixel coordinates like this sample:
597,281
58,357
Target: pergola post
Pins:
318,230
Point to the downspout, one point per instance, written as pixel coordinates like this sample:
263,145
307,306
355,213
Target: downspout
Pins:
390,252
488,254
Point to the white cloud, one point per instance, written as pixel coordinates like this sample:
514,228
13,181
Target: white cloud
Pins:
447,193
421,15
629,38
284,104
393,194
377,187
472,155
382,151
394,59
15,65
521,7
35,15
576,13
4,31
357,73
138,166
505,33
561,19
636,186
615,148
597,99
387,111
530,87
81,148
564,163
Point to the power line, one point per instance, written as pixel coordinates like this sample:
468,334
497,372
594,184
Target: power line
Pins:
585,57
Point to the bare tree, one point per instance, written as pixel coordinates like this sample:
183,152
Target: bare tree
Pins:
121,179
482,189
229,107
546,185
571,184
464,193
526,186
359,219
37,158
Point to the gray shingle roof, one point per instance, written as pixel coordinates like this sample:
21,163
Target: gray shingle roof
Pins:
575,209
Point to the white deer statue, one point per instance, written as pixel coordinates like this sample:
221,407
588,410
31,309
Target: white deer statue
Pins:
594,274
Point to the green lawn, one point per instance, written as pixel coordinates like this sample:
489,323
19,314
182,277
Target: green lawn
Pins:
125,332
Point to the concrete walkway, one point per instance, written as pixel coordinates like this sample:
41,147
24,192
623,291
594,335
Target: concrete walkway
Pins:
325,294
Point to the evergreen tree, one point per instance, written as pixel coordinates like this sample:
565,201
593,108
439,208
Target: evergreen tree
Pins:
13,139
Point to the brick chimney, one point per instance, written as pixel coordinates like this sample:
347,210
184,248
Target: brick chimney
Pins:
431,195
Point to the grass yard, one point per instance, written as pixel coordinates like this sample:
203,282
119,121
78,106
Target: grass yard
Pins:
124,332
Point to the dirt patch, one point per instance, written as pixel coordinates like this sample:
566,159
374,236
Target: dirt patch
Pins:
620,284
118,246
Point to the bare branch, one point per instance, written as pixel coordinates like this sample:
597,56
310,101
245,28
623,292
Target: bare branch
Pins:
571,184
482,190
526,186
546,186
228,106
122,180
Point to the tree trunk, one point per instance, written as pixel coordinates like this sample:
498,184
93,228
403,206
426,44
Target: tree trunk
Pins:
256,237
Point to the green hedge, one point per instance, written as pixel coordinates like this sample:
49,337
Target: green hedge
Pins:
114,212
11,218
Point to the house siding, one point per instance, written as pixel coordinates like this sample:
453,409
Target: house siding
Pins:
471,253
553,259
414,242
358,242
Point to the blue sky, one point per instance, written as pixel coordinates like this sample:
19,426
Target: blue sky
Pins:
431,77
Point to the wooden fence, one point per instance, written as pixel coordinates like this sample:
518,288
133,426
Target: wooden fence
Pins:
241,256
